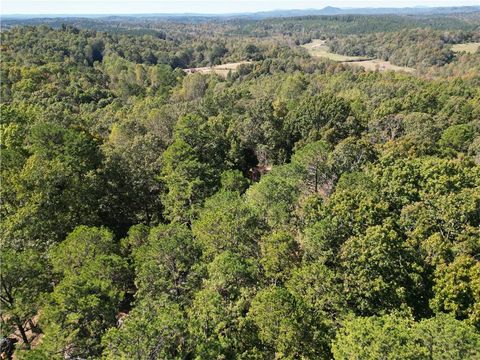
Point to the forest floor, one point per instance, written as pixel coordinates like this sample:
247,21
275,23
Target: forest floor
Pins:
318,48
466,47
221,70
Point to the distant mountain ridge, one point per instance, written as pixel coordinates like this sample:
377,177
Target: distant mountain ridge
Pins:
329,10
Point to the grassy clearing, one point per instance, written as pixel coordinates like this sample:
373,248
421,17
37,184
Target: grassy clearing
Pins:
317,48
469,48
221,70
379,65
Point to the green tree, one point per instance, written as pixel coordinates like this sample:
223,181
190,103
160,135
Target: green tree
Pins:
445,337
457,138
275,196
233,180
83,304
80,247
217,321
187,180
457,289
49,200
379,272
192,167
153,329
350,155
194,86
355,205
319,289
324,114
218,326
285,327
25,276
56,189
227,223
280,254
397,337
165,264
130,182
229,273
313,158
386,337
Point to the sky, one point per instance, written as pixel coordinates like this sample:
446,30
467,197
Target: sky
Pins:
198,6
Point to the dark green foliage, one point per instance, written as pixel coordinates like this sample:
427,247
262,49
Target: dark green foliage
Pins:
25,276
286,328
83,304
151,329
457,137
279,255
379,271
164,263
192,166
323,115
397,337
226,223
233,180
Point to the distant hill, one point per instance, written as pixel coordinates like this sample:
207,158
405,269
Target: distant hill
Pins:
329,10
369,11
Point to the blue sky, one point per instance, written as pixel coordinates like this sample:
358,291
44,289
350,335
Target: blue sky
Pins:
197,6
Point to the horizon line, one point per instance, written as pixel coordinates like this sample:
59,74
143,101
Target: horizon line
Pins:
419,7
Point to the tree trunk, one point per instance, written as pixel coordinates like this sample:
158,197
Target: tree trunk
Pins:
22,333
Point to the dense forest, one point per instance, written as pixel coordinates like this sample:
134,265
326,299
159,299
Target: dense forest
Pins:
296,208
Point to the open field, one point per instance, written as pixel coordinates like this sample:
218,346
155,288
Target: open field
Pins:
221,70
317,48
467,47
379,65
